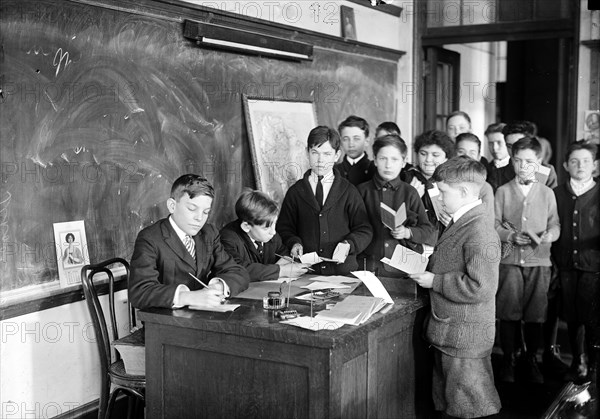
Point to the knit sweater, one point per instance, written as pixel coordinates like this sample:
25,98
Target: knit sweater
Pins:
240,247
465,263
579,243
357,173
536,213
343,217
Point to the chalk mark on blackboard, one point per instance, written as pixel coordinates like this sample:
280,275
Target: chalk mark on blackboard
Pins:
37,50
63,58
4,206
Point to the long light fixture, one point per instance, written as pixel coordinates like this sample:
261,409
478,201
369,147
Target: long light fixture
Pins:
223,37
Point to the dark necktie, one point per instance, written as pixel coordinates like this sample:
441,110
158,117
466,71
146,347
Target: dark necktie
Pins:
261,248
526,182
319,191
450,223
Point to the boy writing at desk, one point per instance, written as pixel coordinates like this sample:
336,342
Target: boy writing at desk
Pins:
323,210
252,241
169,252
462,279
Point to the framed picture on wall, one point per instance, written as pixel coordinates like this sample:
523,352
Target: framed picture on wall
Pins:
591,126
348,23
71,251
277,133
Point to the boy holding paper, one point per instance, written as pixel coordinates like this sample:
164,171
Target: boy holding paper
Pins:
527,223
323,212
389,198
462,278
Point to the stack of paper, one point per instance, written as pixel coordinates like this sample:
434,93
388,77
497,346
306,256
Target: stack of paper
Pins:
312,323
392,219
353,310
221,308
374,285
407,260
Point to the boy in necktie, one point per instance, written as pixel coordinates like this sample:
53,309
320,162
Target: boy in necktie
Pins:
323,209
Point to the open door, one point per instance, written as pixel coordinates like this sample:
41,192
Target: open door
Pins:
442,86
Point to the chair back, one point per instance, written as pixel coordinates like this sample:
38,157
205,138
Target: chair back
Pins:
103,336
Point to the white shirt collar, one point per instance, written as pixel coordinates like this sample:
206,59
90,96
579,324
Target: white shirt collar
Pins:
581,187
180,233
356,160
328,178
463,210
502,163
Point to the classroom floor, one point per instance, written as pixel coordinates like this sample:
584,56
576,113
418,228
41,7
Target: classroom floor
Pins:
523,400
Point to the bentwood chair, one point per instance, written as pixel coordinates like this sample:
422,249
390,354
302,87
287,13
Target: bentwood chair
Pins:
114,379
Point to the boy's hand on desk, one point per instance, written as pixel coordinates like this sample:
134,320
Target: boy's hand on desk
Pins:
418,186
211,296
424,279
293,270
401,232
521,239
297,250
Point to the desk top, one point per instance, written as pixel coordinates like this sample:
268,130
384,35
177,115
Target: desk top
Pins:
251,320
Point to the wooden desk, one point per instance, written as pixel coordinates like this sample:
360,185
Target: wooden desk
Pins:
245,364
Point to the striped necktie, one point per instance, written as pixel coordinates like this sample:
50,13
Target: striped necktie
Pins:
190,245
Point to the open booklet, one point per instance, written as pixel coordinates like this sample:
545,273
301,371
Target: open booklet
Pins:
353,310
407,260
392,219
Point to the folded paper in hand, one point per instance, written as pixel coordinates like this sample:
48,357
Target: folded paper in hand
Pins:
392,219
339,255
407,260
534,237
437,205
542,173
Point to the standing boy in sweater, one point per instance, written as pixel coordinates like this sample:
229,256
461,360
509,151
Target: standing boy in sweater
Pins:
323,209
577,254
527,223
462,278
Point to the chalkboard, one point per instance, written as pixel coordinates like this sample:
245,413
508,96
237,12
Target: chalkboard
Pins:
101,109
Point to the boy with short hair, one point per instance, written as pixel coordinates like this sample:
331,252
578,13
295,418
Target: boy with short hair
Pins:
577,254
253,243
387,128
323,209
355,166
462,278
387,187
170,251
527,222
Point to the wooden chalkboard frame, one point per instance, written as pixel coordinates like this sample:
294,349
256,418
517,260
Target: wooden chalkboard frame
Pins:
268,177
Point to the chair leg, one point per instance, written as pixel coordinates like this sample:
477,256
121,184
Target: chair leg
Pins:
104,395
111,402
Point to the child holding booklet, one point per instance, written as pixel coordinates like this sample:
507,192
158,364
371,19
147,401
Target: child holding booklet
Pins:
323,211
462,278
387,188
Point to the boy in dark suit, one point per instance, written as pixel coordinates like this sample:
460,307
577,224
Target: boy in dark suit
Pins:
356,165
252,241
462,278
167,252
323,209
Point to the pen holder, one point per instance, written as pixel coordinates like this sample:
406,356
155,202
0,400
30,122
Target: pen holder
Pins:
273,301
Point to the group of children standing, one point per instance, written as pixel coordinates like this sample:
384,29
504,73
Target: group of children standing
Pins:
490,241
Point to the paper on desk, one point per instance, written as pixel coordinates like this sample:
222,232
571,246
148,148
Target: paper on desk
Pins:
280,280
221,308
337,279
374,285
322,285
312,323
353,310
407,260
